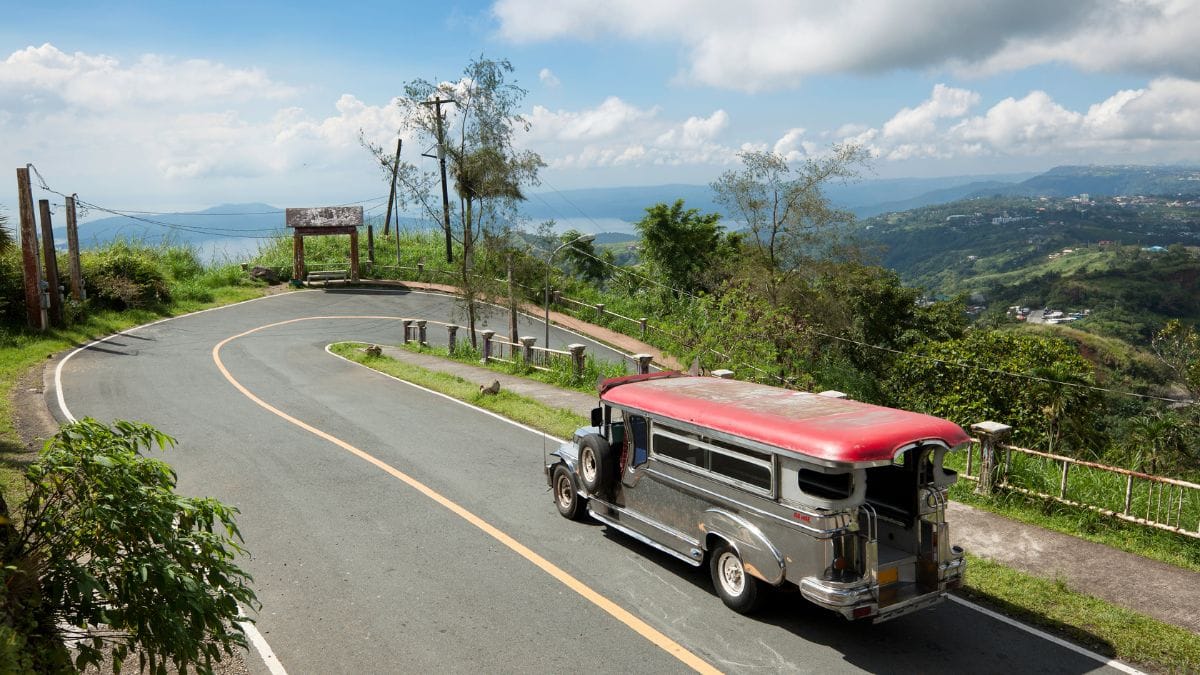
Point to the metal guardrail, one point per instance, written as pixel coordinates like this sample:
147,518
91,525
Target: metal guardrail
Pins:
1154,501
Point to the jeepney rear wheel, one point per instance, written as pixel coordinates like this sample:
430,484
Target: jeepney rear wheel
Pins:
566,497
596,463
738,589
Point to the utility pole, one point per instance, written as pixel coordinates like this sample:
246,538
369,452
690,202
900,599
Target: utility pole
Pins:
34,313
441,157
392,196
73,251
512,303
50,259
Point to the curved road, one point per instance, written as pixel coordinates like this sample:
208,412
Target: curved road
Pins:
357,494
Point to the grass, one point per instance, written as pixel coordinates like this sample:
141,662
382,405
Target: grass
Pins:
554,421
562,376
1102,627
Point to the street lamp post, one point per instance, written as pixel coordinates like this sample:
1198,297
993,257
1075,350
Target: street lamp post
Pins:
549,263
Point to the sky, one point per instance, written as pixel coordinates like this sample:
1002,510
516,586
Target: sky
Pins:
177,106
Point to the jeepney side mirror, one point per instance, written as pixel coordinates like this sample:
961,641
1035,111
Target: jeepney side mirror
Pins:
597,417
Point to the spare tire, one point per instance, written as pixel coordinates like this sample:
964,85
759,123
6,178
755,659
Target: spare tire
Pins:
597,463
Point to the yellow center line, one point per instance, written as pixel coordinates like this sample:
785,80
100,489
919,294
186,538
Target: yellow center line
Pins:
616,611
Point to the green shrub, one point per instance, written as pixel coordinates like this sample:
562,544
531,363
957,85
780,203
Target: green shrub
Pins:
12,286
107,552
124,276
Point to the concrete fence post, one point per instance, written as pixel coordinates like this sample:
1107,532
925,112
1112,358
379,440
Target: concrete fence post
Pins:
642,325
643,363
421,333
599,310
452,336
407,328
991,435
487,344
527,343
420,270
555,297
723,374
577,359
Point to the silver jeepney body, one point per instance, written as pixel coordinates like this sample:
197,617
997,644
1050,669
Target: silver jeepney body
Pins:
793,520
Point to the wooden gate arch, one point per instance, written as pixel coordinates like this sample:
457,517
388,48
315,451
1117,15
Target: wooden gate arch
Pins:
321,221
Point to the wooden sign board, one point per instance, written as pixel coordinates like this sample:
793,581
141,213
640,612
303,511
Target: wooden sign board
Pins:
333,217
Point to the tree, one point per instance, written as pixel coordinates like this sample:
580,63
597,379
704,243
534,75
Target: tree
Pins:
783,207
106,552
585,262
1178,346
985,375
475,132
684,245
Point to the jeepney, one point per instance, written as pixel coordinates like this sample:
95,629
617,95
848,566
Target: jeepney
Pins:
771,487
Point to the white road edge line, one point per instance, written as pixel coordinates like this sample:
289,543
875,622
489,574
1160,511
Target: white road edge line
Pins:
270,660
1113,663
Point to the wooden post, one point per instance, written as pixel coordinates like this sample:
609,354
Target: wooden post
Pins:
35,314
991,435
50,263
370,247
527,343
577,360
73,252
387,220
487,344
512,304
354,256
298,257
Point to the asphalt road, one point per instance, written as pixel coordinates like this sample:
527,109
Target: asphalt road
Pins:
359,571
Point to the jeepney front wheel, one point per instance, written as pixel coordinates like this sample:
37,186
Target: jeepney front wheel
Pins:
739,590
566,497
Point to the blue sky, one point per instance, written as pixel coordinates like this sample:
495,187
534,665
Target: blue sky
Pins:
179,105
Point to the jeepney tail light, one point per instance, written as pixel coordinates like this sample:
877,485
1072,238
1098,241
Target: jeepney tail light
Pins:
839,563
860,612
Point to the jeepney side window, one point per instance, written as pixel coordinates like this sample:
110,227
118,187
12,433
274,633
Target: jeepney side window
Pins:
831,486
741,464
677,448
636,425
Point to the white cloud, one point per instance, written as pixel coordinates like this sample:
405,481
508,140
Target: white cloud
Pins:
101,82
766,44
158,126
1158,123
617,133
548,78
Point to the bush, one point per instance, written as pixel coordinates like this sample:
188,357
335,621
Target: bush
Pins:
107,552
12,286
124,276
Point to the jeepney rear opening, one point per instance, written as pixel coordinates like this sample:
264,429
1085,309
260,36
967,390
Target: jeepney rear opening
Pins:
769,487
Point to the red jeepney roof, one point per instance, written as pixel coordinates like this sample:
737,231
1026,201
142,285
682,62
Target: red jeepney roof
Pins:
822,427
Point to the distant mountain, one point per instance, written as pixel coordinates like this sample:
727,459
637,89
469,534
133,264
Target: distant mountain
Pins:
864,198
227,221
1104,181
240,225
